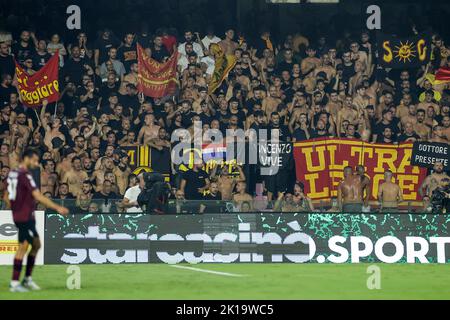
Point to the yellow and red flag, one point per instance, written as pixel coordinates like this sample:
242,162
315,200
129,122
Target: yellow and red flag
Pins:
442,75
156,79
43,85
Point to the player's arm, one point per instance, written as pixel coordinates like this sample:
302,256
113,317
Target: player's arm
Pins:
38,196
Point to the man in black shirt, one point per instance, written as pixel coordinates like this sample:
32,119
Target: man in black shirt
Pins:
387,136
320,131
206,115
287,63
70,101
213,200
282,129
256,99
130,100
127,53
63,192
348,67
386,122
41,56
6,89
258,122
109,88
302,133
235,111
23,49
194,182
106,194
159,51
74,68
7,65
102,47
409,135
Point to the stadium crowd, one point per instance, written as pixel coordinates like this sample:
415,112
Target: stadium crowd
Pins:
306,88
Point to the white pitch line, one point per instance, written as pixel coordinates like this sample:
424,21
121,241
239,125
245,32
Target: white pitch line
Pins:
209,271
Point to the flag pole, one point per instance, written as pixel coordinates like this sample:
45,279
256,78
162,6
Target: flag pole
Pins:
38,119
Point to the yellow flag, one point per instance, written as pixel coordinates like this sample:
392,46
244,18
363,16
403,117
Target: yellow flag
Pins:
223,65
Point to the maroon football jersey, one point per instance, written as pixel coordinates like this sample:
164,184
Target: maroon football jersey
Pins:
20,185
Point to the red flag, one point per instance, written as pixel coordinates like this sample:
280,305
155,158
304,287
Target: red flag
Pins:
43,85
156,79
443,75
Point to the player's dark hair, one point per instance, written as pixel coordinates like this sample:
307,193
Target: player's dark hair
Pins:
29,153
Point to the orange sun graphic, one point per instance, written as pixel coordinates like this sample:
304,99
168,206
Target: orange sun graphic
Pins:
405,51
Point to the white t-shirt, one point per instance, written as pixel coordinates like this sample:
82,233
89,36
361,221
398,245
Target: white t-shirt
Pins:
210,63
207,41
132,194
197,49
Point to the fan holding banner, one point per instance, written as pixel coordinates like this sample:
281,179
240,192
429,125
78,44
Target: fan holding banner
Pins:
156,79
43,85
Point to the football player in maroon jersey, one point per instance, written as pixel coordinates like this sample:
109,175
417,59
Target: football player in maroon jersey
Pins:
21,196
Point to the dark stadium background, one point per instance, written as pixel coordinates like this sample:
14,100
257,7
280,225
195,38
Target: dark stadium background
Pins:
246,16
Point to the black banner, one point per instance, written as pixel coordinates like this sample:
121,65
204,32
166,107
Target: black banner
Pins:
401,53
145,158
247,238
426,154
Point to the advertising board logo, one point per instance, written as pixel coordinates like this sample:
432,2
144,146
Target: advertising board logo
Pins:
247,246
8,230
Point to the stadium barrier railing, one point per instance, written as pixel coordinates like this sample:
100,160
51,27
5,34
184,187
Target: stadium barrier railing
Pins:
95,206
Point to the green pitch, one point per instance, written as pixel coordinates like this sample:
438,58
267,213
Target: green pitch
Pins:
240,281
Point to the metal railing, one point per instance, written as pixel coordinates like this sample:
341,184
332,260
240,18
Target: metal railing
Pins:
257,205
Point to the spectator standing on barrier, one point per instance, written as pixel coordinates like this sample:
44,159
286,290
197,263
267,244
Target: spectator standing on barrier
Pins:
365,185
350,192
389,194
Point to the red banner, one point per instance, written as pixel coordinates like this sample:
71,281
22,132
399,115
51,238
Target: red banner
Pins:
156,79
320,165
43,85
